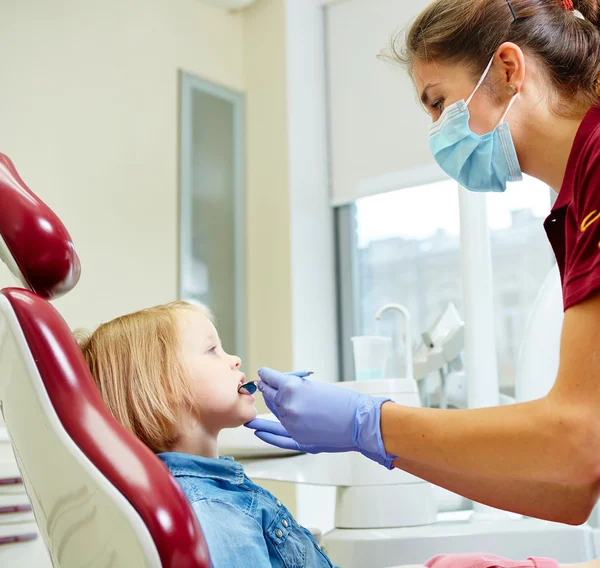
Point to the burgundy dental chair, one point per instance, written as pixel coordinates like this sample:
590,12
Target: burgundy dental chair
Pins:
100,497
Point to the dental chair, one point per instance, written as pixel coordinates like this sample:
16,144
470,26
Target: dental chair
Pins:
101,498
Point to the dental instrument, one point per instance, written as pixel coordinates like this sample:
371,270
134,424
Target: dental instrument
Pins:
442,345
252,386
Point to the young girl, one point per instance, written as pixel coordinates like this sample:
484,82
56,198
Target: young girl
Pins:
164,375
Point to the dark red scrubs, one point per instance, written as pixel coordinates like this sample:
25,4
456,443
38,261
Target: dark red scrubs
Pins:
573,226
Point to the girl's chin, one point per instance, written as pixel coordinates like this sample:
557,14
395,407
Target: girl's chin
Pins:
252,414
247,412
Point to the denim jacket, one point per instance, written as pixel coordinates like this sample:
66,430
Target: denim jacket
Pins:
244,525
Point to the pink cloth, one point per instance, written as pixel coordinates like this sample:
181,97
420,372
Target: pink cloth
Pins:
486,561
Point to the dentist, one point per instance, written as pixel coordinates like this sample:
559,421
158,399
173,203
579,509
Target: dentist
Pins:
512,86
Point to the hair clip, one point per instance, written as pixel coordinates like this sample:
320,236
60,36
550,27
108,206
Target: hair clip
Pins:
512,11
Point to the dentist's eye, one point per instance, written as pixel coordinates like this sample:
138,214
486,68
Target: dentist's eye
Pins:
439,105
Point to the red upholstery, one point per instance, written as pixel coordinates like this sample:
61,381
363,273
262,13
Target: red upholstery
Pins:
161,503
38,241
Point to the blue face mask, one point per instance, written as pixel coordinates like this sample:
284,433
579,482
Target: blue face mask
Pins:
478,163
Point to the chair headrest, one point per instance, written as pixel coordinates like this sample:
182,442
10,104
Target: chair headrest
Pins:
127,464
34,243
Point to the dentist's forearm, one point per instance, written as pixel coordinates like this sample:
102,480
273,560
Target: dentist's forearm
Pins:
543,442
552,502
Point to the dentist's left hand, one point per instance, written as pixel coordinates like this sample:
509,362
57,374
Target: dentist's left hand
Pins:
319,417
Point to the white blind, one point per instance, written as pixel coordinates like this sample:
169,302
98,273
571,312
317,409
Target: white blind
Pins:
379,139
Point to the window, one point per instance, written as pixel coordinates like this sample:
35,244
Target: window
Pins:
212,213
405,248
521,259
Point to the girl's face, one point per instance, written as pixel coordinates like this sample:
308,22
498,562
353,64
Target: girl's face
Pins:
214,374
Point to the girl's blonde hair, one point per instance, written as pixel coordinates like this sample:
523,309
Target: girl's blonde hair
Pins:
135,362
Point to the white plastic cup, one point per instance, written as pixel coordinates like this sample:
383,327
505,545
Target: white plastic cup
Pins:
370,356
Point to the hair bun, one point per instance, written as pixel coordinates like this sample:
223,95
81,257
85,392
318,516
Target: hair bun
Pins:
589,9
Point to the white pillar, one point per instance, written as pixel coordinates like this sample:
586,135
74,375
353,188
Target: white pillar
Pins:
476,269
480,341
314,324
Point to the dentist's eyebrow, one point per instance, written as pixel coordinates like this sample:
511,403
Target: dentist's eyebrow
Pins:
424,95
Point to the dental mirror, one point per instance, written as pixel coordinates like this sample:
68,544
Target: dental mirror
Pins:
250,387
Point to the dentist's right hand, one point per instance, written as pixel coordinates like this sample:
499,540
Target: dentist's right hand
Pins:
319,417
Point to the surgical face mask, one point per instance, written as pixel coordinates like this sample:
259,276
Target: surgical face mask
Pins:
478,163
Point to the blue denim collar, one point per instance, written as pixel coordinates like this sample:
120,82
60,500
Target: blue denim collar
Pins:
224,468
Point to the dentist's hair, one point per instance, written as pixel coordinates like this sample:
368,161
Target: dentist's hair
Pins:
468,32
136,364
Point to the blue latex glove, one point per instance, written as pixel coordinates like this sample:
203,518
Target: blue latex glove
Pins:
319,417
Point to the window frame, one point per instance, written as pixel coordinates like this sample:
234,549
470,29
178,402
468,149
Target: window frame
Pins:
189,83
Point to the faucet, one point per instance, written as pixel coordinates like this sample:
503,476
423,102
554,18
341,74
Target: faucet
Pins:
402,333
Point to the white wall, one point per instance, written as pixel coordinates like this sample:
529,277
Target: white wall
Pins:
268,261
311,217
377,125
89,114
312,248
268,273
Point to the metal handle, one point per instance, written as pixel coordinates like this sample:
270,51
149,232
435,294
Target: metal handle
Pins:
15,509
18,538
11,481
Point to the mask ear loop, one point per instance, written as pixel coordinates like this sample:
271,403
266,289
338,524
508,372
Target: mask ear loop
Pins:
514,98
482,79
